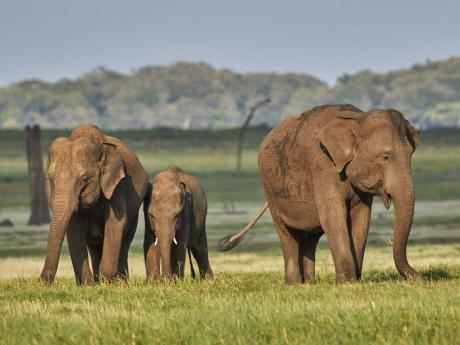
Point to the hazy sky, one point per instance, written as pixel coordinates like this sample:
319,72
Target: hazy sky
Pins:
52,39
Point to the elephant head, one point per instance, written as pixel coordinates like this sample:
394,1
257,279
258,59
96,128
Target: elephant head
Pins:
373,150
80,168
168,212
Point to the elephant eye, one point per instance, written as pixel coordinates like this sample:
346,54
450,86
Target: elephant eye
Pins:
386,157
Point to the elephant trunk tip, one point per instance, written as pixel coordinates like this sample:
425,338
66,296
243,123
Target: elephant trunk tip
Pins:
405,269
47,276
228,242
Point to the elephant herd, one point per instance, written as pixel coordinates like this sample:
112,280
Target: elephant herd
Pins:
319,171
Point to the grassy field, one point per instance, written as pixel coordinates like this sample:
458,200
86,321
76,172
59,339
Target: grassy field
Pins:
247,303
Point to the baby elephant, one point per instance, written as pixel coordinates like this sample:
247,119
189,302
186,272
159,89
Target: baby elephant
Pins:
175,219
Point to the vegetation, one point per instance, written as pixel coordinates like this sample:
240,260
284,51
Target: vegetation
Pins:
236,308
247,302
195,95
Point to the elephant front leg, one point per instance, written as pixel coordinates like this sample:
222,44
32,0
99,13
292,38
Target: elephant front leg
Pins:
114,230
178,260
333,219
76,239
95,251
360,217
200,253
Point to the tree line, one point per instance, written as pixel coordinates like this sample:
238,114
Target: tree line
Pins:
196,95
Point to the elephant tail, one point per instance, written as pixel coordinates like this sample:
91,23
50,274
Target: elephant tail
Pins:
191,263
231,241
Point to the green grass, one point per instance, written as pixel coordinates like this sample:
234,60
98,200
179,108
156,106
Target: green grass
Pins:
236,308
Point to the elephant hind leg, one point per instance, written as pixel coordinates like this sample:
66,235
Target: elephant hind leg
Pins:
290,247
307,255
200,253
124,249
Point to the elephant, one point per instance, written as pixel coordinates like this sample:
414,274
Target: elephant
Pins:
95,187
175,220
320,170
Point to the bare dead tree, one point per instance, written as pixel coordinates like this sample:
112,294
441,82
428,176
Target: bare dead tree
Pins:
243,130
39,213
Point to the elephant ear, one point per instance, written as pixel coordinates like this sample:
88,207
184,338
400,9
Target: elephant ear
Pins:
338,141
412,135
112,169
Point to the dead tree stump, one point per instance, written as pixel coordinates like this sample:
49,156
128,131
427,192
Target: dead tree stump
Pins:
242,131
39,212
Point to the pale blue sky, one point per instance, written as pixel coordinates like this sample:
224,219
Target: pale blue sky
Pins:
53,39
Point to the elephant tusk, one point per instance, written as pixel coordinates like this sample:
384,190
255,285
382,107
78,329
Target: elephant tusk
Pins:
174,240
156,241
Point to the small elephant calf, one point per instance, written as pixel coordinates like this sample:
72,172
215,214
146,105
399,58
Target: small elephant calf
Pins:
175,220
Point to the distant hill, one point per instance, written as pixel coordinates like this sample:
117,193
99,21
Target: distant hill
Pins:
195,95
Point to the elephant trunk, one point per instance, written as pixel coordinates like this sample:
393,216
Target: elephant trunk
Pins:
403,204
63,208
165,239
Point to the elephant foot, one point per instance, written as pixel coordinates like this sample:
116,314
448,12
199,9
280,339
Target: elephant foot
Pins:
308,280
152,279
153,276
107,276
413,276
47,276
208,276
86,282
293,279
344,278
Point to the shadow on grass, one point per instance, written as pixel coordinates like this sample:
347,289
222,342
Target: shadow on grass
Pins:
432,274
436,274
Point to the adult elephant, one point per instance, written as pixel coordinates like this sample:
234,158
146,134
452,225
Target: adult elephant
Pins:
95,187
320,171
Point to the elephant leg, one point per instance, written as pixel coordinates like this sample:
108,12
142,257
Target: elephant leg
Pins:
307,255
290,248
76,238
113,237
95,251
360,217
200,253
124,251
333,218
178,261
151,255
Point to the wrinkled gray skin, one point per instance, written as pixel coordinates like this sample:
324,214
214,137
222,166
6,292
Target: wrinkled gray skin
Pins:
320,171
177,211
95,187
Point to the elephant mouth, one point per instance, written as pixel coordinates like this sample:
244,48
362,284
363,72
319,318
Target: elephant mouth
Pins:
386,198
380,190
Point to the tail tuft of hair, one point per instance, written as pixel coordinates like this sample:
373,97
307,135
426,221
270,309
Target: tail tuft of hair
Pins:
227,243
